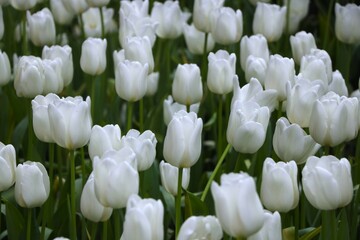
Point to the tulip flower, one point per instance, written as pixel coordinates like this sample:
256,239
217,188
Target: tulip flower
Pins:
338,85
298,11
201,13
312,68
195,40
92,21
182,143
118,56
61,15
169,177
221,71
226,25
169,17
291,142
279,189
327,182
201,227
255,68
255,45
1,23
23,4
346,23
139,49
41,27
187,85
143,219
137,8
70,121
7,166
271,230
237,204
152,83
115,177
32,186
5,68
170,108
97,3
90,207
52,70
269,20
75,6
93,56
334,119
301,44
322,55
103,139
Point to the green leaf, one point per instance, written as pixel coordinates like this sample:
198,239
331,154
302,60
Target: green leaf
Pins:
194,206
169,202
15,222
343,228
310,235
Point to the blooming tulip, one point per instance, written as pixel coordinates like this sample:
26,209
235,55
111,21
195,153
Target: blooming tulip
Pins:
346,23
169,177
5,69
255,45
237,204
312,68
195,40
199,227
60,13
93,56
41,27
139,49
7,166
301,44
271,230
32,186
23,4
338,85
170,108
327,182
143,219
201,13
182,143
324,57
255,68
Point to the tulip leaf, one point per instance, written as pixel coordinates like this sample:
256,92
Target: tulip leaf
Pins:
211,121
169,202
312,234
19,133
15,223
343,229
194,206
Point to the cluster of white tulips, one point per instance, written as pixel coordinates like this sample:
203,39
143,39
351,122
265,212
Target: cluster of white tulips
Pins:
202,120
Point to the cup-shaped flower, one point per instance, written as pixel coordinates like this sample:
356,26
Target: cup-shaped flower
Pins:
23,4
139,49
143,219
93,56
61,15
221,71
346,23
75,6
54,82
170,108
301,44
237,204
152,83
338,85
118,56
226,25
182,143
136,8
279,188
5,69
115,177
169,177
169,17
71,122
312,68
255,68
32,186
7,166
327,182
41,27
187,87
90,207
298,10
255,45
202,11
103,139
271,230
131,80
334,119
92,21
247,126
195,40
201,227
97,3
269,20
290,142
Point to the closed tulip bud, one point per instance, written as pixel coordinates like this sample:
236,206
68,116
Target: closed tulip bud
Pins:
247,121
182,143
118,56
237,204
170,108
5,69
76,6
202,11
279,188
61,238
255,68
271,230
7,166
90,207
200,227
195,40
325,57
93,56
170,18
97,3
334,119
71,121
187,86
23,4
298,10
139,49
1,23
338,85
301,44
269,20
291,142
32,186
115,177
169,177
103,139
152,83
131,80
41,27
312,68
137,8
226,25
60,13
327,182
221,71
143,219
92,21
52,70
346,23
255,45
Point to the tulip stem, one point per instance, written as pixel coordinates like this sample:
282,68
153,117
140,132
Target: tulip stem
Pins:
102,23
129,115
178,202
30,133
141,115
329,14
28,229
213,174
328,225
220,120
73,196
204,62
117,213
93,231
104,235
287,30
24,37
51,163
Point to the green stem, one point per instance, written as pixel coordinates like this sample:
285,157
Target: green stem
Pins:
81,23
73,196
220,130
178,202
43,223
28,228
204,59
117,213
51,164
24,37
129,115
213,174
296,217
30,133
104,235
141,115
93,99
329,14
287,30
93,231
102,23
279,112
83,167
328,225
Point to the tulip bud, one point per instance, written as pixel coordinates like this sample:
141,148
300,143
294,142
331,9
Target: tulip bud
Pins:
199,227
255,45
169,177
201,13
139,49
7,166
93,56
92,21
5,68
182,143
271,230
312,68
52,70
23,4
61,15
195,40
301,44
255,68
143,219
152,83
97,3
75,6
346,23
324,57
327,182
137,8
170,108
338,85
32,186
41,27
237,204
118,56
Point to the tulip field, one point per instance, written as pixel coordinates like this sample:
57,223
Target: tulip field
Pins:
202,119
